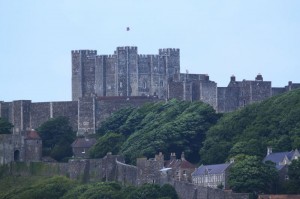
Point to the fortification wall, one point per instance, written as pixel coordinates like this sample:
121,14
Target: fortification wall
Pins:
67,109
126,174
260,90
20,115
221,99
4,110
277,91
232,94
33,150
191,191
40,113
6,149
79,169
38,168
175,90
206,91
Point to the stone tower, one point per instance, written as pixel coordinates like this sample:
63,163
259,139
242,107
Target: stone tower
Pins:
124,73
83,73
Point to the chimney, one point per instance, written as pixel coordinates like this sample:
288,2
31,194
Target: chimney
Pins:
269,150
259,77
173,156
182,156
231,160
232,78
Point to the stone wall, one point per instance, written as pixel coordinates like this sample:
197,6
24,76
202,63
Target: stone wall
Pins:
279,196
11,148
113,168
126,174
190,191
38,168
33,150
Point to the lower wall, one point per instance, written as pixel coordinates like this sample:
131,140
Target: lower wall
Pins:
112,168
191,191
279,196
38,169
126,174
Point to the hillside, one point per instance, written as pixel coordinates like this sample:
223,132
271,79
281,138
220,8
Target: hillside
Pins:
274,122
205,136
173,126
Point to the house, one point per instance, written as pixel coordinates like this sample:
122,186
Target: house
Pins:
181,169
282,160
213,176
81,146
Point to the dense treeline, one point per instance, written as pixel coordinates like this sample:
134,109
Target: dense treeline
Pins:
63,188
205,136
174,126
274,122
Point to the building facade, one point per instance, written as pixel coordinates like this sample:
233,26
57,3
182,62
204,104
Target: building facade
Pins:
214,176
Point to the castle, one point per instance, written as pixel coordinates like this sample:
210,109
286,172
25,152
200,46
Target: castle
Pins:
102,84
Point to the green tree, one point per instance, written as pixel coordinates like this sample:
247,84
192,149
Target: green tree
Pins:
250,175
5,126
57,136
110,142
153,191
274,122
293,183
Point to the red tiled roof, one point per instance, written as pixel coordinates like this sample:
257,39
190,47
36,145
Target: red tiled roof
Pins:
180,163
32,135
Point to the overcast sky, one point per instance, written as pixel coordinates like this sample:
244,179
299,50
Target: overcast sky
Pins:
215,37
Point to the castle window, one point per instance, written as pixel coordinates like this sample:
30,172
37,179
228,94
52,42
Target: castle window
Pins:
17,155
244,102
145,85
161,83
121,84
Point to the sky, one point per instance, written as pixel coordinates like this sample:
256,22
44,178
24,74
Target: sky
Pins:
215,37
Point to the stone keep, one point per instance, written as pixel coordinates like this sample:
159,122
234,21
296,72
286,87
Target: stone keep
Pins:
124,73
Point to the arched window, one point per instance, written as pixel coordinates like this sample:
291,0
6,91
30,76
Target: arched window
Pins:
17,155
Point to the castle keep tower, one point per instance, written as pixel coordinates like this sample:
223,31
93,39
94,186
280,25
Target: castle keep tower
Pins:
83,73
124,73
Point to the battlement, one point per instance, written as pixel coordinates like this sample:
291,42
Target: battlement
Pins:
127,48
147,56
86,52
106,56
169,50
